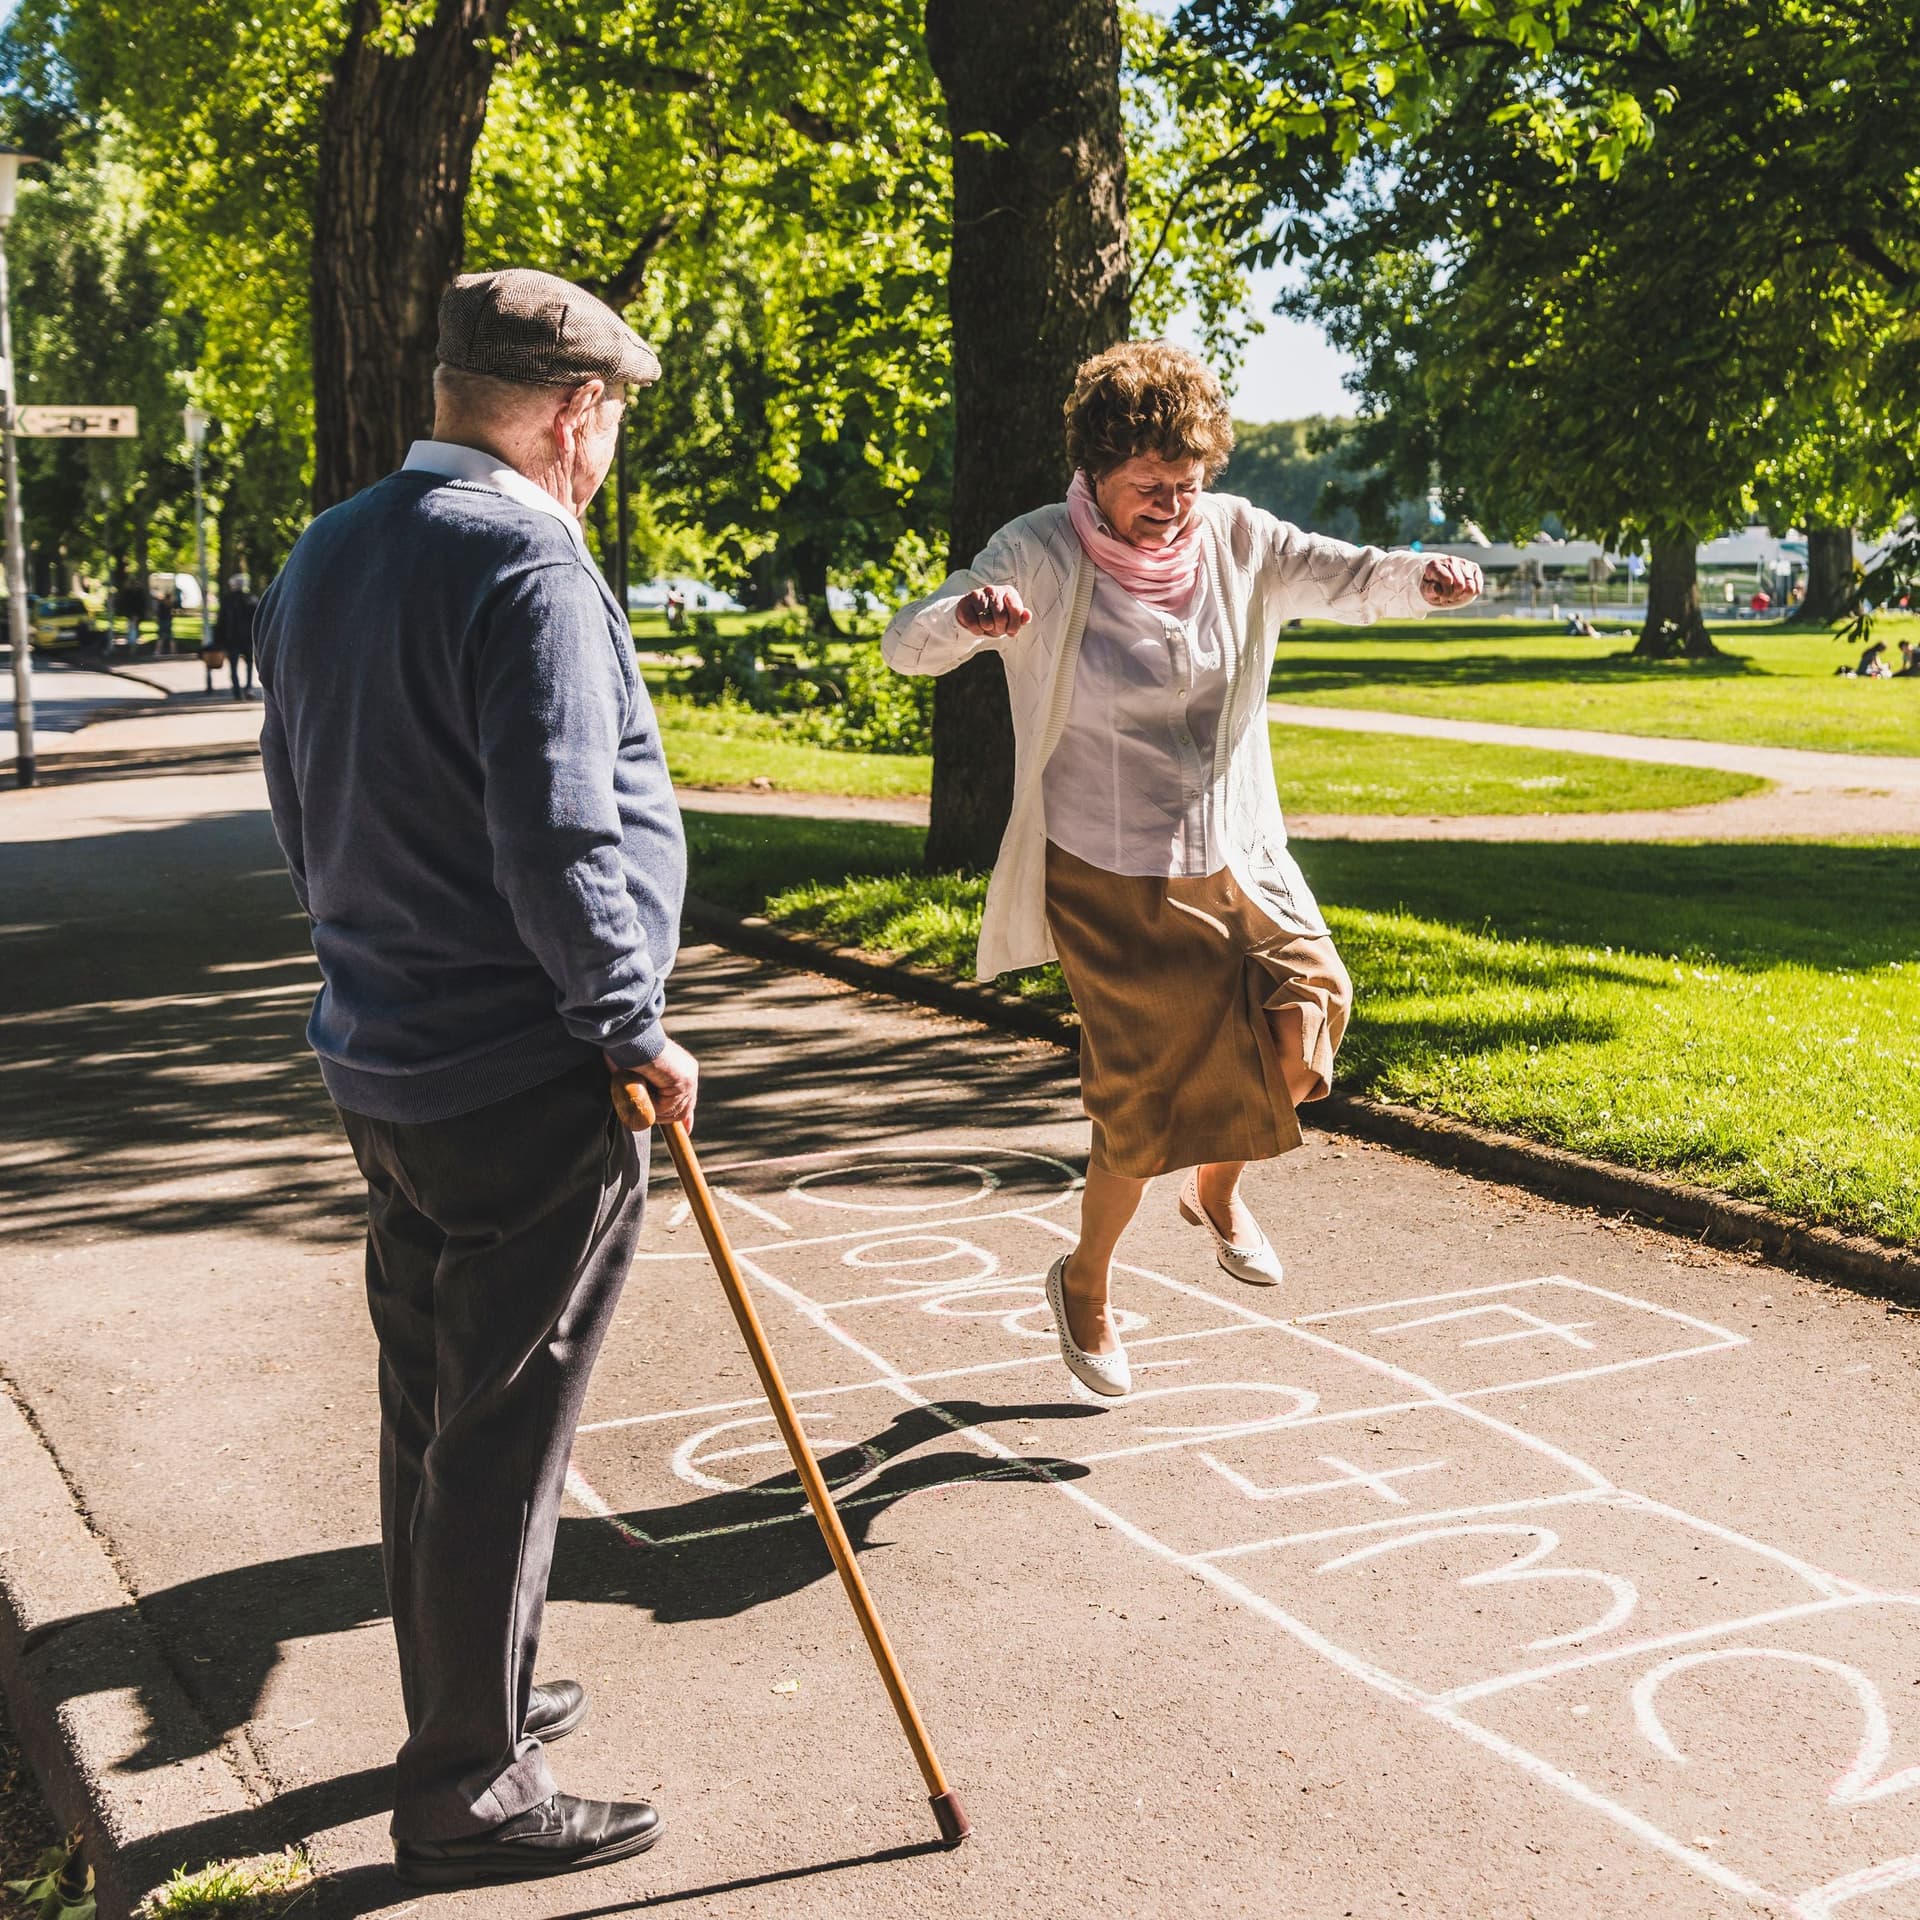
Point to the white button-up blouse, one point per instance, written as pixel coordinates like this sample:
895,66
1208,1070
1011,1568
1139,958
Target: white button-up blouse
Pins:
1129,788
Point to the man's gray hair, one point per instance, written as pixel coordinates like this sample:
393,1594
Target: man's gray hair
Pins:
485,396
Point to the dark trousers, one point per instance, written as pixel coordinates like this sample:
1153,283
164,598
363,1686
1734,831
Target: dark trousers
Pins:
497,1245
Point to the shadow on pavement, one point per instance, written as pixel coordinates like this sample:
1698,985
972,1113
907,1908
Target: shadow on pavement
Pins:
362,1890
138,763
156,1077
711,1557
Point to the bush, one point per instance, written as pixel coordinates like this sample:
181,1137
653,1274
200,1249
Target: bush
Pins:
855,705
729,667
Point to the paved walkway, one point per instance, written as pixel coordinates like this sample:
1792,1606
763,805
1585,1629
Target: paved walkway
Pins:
1503,1563
159,713
1815,795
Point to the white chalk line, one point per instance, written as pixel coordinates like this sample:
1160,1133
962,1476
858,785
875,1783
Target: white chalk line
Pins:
1021,1210
1021,1363
753,1207
1356,1666
1443,1709
1520,1286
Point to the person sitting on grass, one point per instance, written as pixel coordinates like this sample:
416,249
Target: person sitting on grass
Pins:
1909,661
1146,850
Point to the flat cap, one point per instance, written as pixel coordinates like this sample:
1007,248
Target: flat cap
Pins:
539,330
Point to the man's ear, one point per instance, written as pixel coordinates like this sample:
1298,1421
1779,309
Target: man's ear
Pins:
573,411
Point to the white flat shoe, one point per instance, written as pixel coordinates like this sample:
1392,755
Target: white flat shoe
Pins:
1258,1266
1106,1374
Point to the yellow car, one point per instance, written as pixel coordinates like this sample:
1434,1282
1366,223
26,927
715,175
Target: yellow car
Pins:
61,622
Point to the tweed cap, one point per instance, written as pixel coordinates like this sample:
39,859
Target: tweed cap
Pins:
540,331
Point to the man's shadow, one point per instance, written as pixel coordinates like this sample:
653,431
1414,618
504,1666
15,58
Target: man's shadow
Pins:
714,1556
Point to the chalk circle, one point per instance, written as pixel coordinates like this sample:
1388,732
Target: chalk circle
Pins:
1032,1322
886,1254
984,1182
690,1464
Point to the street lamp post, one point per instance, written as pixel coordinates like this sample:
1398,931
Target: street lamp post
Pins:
197,420
20,630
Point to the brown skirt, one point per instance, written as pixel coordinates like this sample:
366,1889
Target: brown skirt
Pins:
1203,1023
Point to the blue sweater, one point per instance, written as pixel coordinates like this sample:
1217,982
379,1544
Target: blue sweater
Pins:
468,784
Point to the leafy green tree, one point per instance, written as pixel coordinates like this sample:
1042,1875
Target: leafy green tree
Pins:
1642,266
93,327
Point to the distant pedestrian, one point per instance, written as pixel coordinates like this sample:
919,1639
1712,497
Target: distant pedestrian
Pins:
676,609
1146,848
129,607
468,783
163,623
233,634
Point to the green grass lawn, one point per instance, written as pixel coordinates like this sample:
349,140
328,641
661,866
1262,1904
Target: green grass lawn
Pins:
1320,770
1745,1017
732,747
1775,687
1323,771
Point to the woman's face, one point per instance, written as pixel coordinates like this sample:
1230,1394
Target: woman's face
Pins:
1148,500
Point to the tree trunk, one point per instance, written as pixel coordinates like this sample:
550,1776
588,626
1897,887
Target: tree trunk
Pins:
396,152
1829,595
807,560
1038,283
1675,627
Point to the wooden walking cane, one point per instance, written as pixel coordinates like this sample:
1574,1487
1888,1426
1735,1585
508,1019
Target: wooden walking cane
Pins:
633,1101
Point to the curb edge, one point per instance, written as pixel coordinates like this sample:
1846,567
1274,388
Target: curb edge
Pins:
1698,1213
87,1686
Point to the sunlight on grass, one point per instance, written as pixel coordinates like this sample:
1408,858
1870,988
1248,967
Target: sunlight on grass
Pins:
1323,771
1319,770
1775,687
732,747
256,1889
1746,1017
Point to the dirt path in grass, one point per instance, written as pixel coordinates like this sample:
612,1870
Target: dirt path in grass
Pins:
1512,1562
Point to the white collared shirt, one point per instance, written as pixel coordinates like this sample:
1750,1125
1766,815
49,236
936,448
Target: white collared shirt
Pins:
1129,787
482,469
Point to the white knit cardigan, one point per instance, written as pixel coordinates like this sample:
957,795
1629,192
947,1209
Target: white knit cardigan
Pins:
1265,573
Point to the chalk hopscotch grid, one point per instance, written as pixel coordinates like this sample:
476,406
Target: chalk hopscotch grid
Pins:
1836,1594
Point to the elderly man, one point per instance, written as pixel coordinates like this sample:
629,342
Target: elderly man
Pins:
468,785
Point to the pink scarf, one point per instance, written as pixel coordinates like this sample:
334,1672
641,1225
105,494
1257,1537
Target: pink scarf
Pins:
1161,576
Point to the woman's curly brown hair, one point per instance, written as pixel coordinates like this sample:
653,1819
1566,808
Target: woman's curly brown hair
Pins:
1146,396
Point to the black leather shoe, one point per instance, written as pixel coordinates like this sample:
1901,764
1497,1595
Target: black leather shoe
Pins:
560,1835
553,1711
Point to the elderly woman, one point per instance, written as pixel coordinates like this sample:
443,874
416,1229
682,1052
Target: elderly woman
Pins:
1146,850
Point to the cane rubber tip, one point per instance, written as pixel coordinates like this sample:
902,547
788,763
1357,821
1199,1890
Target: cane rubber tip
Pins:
952,1816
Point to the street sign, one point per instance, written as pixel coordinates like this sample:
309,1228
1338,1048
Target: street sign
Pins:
76,423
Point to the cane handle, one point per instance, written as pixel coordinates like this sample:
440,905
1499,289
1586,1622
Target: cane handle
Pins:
633,1102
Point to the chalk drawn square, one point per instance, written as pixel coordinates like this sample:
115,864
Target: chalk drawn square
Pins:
1793,1748
910,1262
1529,1333
1236,1496
999,1318
711,1473
1208,1390
817,1198
1473,1604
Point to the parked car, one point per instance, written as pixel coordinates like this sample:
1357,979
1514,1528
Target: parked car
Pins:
61,622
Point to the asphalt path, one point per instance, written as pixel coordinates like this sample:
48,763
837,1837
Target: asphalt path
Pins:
1507,1561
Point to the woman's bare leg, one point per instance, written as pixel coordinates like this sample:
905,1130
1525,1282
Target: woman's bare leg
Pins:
1219,1184
1107,1203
